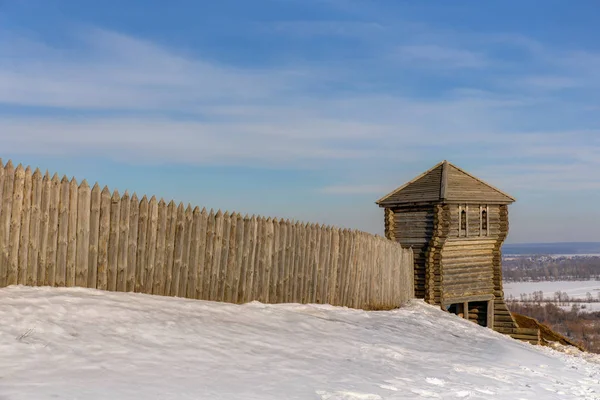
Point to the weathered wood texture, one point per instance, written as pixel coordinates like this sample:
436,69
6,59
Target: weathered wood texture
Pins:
424,188
445,183
434,251
467,267
58,233
464,187
413,228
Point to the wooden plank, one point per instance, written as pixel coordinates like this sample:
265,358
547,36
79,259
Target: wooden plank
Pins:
458,265
63,233
288,288
329,259
351,268
92,267
72,233
323,267
291,256
170,247
334,256
84,198
296,277
289,262
318,264
201,273
373,291
258,264
220,294
53,227
306,264
313,271
238,273
194,247
245,251
279,260
360,282
208,256
400,285
122,253
379,273
151,247
8,179
25,216
184,277
251,260
259,254
113,241
280,264
158,284
270,262
358,268
178,250
342,268
267,258
272,267
232,254
104,238
15,226
490,314
401,289
43,232
132,243
142,246
216,256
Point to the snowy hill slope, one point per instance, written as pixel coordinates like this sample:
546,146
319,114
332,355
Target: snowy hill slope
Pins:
87,344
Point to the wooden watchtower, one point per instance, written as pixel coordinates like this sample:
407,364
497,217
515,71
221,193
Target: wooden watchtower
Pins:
456,224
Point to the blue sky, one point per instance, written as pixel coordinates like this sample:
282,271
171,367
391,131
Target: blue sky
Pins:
311,109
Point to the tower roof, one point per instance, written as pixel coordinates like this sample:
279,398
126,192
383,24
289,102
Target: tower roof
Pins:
445,182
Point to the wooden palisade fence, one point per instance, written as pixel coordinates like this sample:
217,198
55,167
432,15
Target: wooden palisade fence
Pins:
57,233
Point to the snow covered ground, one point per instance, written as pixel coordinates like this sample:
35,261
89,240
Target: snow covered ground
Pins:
86,344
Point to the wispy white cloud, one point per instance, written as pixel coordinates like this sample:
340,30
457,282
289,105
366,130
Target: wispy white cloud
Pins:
129,98
552,82
360,29
115,71
358,189
437,56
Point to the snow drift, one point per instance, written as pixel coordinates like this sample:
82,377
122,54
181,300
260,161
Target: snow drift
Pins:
87,344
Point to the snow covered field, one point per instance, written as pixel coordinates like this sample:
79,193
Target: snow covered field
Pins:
575,289
86,344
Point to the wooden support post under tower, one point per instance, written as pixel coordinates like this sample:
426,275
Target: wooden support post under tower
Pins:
466,310
490,314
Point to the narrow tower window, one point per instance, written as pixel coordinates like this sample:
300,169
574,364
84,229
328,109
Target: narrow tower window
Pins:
463,220
484,221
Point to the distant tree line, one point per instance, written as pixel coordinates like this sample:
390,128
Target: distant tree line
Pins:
542,268
559,298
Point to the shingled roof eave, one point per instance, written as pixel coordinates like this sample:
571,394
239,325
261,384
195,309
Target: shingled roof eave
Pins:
384,201
387,196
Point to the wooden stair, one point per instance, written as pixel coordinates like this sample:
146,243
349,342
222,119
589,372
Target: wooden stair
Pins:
505,323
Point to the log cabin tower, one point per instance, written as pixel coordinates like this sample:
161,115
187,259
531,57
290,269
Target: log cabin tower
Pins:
455,224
